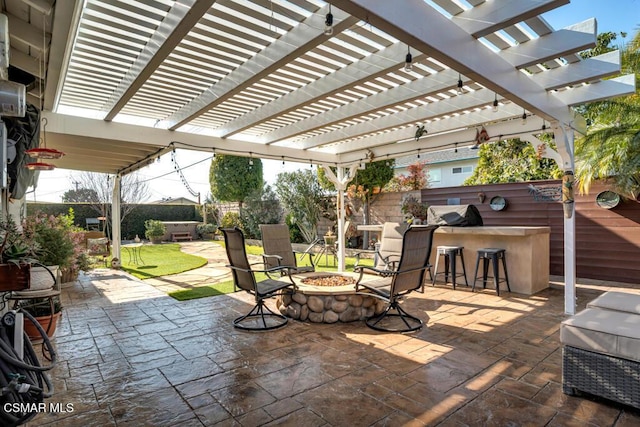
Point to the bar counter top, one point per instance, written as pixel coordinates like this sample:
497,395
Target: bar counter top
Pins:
515,230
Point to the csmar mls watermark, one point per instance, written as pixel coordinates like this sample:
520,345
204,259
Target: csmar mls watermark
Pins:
22,408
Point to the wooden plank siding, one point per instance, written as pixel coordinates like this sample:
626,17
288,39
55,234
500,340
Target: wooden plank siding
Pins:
607,240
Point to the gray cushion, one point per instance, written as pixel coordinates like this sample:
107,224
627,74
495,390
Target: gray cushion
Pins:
618,301
615,333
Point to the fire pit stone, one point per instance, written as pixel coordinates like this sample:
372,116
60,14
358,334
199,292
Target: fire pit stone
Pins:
328,298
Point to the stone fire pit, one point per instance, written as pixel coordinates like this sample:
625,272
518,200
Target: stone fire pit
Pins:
328,298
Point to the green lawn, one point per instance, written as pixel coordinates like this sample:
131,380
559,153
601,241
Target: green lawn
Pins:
227,287
161,260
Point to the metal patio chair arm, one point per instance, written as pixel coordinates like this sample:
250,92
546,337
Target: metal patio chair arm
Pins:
280,268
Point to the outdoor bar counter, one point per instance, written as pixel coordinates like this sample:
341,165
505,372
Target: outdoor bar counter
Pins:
527,253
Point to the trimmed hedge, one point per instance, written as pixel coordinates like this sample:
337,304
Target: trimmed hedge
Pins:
132,224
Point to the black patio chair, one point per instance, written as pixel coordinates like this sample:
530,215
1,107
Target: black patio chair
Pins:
260,318
408,276
278,251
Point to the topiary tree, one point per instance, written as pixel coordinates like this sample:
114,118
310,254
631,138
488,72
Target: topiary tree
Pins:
233,178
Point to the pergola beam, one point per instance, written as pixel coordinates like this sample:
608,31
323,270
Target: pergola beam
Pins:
301,39
416,115
490,17
512,128
416,89
604,89
590,69
79,132
454,47
180,19
390,138
364,70
557,44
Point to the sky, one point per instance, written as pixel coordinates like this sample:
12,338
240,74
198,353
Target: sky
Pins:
616,16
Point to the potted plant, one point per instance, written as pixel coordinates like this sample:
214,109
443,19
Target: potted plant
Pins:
207,231
57,247
17,253
40,309
414,209
154,230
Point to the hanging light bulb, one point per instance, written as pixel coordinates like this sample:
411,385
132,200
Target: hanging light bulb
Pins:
408,62
460,90
418,153
250,159
455,150
282,161
524,117
328,23
495,103
214,153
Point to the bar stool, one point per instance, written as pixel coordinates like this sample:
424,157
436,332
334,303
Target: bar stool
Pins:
493,255
450,253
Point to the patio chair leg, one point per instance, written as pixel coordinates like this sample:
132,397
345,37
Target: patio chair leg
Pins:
261,313
412,323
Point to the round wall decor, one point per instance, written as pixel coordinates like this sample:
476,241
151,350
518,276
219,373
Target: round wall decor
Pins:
498,203
607,199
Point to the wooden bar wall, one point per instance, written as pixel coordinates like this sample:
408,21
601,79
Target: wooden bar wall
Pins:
607,240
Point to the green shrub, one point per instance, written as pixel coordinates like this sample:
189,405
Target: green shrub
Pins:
154,229
54,234
203,229
261,207
230,220
294,232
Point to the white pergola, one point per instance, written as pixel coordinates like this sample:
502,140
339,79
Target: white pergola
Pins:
270,79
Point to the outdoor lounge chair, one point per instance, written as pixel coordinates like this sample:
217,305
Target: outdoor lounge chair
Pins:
260,317
407,277
278,250
388,254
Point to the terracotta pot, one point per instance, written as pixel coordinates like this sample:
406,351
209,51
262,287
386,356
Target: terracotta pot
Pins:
48,323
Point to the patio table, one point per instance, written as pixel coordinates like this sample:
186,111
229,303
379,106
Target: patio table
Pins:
133,250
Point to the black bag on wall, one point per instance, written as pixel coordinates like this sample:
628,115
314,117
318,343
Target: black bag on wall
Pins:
454,215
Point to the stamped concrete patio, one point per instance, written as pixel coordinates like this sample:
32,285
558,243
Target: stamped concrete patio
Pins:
130,355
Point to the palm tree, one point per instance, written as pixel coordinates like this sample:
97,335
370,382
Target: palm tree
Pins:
611,148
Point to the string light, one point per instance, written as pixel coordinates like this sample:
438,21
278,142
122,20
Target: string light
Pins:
408,62
214,153
460,90
418,153
328,23
455,150
495,103
524,117
250,159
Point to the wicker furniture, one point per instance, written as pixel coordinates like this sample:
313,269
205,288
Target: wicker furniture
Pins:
601,349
